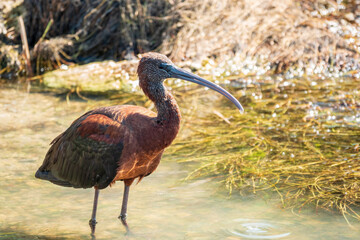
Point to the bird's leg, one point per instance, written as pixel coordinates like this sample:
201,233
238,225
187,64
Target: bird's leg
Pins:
92,221
123,214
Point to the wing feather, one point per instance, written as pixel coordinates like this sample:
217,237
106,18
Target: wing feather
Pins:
86,154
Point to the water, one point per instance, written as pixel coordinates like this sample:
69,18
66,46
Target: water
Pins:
160,207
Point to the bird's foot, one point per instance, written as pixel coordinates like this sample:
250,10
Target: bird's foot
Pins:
92,224
122,218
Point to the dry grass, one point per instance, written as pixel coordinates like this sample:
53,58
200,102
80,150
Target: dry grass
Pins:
100,29
279,32
48,55
10,61
84,31
282,34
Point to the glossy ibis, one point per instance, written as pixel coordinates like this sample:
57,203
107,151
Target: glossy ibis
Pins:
115,143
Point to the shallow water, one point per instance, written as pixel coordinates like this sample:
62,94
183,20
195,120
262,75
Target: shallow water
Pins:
160,207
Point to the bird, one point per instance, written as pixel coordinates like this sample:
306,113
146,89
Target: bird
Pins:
123,142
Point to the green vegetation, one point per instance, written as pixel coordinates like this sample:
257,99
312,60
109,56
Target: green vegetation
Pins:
299,138
99,78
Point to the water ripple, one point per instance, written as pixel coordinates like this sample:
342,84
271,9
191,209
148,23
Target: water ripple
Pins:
259,229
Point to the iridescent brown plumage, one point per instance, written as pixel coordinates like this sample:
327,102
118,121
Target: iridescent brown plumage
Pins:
115,143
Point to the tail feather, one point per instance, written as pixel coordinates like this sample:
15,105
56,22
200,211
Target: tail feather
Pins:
49,177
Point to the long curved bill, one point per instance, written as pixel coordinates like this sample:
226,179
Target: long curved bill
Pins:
176,72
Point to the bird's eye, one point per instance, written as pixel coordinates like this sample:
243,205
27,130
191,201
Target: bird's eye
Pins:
162,66
165,66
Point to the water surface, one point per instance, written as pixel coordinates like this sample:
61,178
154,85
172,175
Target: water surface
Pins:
160,207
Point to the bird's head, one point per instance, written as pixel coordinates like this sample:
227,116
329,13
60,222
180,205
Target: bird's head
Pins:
155,68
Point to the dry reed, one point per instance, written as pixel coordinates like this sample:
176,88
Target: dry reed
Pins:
282,34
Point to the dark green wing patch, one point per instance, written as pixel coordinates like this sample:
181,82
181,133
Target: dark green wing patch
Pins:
86,154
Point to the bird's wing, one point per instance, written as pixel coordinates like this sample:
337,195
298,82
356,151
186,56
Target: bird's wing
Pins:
86,154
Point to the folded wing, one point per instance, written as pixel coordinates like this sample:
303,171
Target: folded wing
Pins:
86,154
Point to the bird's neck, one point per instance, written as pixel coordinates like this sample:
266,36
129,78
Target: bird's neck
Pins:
168,118
166,106
168,111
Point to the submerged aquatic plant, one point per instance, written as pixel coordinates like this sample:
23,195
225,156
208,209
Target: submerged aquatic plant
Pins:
299,138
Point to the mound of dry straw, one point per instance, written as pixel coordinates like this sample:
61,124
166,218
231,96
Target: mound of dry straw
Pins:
280,33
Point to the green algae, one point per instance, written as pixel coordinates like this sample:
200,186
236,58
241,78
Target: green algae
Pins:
299,138
99,78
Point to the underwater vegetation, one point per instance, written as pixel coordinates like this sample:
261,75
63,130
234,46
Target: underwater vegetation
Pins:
299,138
